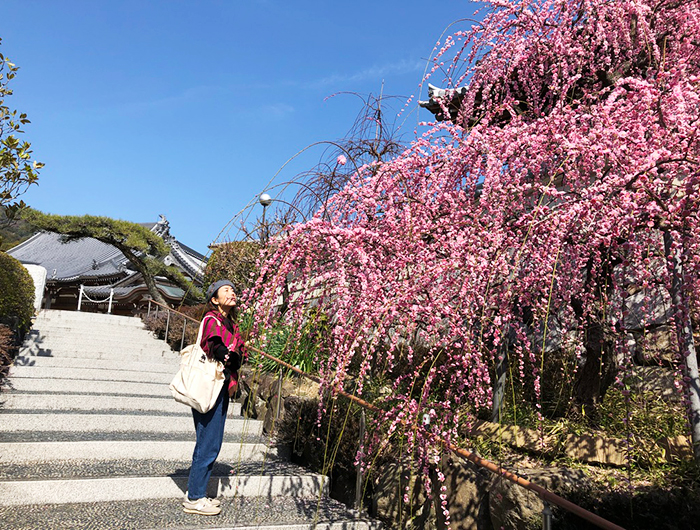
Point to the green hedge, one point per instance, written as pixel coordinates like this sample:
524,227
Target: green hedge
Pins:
16,294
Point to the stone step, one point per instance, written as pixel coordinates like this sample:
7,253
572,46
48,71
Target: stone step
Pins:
83,373
50,362
105,332
110,423
69,342
135,325
128,468
125,354
238,513
84,316
61,491
105,403
122,436
74,340
41,452
57,385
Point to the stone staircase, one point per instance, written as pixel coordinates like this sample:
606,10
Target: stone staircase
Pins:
90,437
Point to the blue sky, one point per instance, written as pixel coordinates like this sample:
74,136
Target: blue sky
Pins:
189,108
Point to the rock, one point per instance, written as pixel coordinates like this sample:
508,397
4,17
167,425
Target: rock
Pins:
655,379
467,494
512,507
271,415
640,314
393,481
656,346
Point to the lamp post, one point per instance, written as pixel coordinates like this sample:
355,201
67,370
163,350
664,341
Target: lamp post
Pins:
265,200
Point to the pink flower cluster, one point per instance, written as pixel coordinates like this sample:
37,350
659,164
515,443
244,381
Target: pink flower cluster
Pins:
577,143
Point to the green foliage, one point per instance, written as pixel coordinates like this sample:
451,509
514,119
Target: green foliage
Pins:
13,231
17,169
298,346
235,261
7,348
16,294
115,232
644,415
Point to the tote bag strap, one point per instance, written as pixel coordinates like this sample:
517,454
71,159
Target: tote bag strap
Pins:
201,330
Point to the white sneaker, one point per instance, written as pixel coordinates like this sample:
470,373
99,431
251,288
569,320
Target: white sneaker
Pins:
201,506
213,502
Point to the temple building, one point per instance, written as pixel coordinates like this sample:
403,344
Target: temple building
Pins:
444,103
98,277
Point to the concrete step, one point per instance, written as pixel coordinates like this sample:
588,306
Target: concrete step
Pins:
49,362
105,331
83,373
17,401
124,354
87,340
61,491
41,452
52,315
123,436
111,423
69,342
56,385
238,513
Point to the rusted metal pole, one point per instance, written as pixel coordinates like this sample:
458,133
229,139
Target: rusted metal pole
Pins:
546,517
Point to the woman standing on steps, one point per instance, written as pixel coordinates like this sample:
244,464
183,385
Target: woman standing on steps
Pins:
221,339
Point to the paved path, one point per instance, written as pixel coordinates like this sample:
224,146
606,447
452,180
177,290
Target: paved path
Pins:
91,438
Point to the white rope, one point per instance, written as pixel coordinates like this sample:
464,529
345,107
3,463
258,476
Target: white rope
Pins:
96,301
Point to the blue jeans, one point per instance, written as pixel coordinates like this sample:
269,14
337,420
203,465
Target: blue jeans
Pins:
210,436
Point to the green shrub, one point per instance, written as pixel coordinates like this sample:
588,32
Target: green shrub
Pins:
7,349
16,294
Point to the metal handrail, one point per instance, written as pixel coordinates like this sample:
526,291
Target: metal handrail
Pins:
546,495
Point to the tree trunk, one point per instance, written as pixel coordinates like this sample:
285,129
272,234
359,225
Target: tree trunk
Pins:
140,266
597,373
684,333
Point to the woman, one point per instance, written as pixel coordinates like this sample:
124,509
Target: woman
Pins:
221,340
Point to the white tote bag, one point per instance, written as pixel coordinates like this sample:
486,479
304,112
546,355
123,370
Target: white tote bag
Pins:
199,381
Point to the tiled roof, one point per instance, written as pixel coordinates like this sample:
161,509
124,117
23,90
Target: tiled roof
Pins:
71,260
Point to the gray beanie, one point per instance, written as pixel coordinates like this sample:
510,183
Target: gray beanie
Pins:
214,287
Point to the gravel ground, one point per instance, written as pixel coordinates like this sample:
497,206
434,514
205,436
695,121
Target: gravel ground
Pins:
140,468
39,436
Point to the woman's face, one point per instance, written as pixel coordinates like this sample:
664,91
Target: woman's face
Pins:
225,297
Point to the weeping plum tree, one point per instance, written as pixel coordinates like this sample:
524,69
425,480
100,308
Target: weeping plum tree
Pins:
568,174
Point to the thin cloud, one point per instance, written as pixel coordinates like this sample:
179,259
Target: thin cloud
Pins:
276,110
375,72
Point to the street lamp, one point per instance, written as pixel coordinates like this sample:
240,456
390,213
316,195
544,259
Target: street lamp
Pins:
265,200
